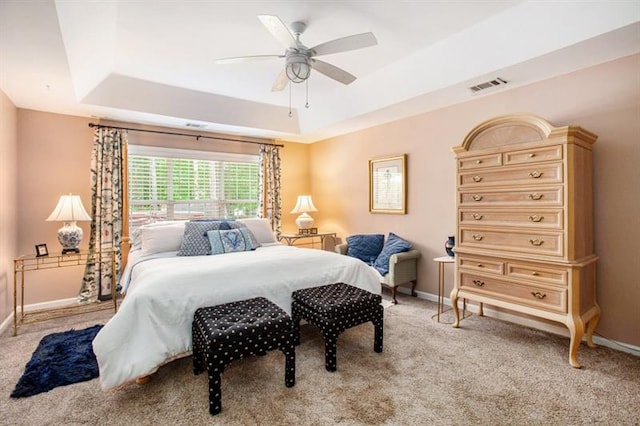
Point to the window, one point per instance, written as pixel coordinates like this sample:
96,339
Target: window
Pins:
173,184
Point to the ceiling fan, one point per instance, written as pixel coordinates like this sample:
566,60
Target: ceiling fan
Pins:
299,59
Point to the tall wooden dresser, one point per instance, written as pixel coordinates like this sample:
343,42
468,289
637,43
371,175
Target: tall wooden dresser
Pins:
524,237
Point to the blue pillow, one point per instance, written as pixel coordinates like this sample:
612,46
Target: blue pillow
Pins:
393,245
231,240
195,241
365,247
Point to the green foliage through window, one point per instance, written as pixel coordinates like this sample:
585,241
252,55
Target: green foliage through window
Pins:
173,188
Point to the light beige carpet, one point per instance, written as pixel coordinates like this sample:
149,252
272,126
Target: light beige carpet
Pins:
486,373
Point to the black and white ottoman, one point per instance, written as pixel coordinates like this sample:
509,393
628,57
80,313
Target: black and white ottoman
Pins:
334,308
236,330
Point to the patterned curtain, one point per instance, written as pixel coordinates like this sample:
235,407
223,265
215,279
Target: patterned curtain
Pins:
106,213
270,202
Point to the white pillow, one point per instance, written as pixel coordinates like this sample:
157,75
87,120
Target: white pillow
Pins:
158,239
261,229
135,237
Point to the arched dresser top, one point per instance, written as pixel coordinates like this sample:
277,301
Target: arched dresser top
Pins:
519,129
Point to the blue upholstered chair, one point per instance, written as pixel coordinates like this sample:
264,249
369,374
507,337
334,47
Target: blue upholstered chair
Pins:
403,269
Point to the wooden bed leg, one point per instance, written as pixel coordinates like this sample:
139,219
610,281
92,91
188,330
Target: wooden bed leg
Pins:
143,380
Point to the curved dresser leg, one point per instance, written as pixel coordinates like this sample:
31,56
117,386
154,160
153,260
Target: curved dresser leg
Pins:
591,328
454,306
576,330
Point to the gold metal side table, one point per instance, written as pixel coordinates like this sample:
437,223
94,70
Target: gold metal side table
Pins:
292,238
26,263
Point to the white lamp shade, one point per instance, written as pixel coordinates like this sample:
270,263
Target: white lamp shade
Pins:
69,209
304,205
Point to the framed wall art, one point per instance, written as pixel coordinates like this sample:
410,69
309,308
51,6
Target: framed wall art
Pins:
388,184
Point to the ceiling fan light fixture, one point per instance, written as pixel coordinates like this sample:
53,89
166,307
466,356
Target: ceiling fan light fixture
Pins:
298,68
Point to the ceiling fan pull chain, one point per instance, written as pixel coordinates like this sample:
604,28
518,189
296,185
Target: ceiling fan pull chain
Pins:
290,115
307,104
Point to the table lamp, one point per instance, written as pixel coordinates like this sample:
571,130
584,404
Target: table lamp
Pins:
304,206
69,210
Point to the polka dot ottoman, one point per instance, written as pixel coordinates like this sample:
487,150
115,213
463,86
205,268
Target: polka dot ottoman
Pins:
236,330
334,308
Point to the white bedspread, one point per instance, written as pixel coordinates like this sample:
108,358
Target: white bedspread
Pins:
153,324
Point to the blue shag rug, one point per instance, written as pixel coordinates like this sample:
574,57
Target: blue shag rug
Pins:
60,359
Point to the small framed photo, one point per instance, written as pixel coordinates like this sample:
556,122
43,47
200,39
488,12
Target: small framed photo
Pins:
41,250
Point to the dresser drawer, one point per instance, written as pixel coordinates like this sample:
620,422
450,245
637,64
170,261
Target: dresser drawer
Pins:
548,197
534,174
480,264
530,218
480,162
539,242
537,273
533,155
554,299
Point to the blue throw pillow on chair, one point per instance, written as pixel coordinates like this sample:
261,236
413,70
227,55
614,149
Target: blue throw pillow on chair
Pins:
393,245
365,247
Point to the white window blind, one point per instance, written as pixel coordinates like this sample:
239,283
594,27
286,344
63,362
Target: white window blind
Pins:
172,184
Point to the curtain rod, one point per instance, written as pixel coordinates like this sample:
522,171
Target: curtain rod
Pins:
198,137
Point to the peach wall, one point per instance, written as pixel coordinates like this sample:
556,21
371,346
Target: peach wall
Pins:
54,157
9,203
604,99
294,181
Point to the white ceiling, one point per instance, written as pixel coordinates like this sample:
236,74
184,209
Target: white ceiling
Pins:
153,62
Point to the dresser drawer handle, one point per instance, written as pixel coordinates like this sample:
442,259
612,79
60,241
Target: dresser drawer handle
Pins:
477,197
480,265
477,237
479,283
535,196
536,242
538,295
477,178
535,174
478,161
535,274
536,218
477,216
532,155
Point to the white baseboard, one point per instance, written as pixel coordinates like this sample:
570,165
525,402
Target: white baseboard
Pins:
530,322
8,322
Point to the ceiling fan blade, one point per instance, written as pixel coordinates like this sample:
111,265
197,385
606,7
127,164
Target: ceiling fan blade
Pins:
247,59
344,44
278,29
332,71
281,82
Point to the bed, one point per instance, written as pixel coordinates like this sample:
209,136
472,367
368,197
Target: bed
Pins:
163,290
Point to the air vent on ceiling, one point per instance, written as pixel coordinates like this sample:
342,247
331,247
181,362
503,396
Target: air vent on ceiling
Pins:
488,85
196,125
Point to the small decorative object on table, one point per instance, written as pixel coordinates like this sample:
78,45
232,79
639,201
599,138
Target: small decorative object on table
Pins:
41,250
451,242
310,231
